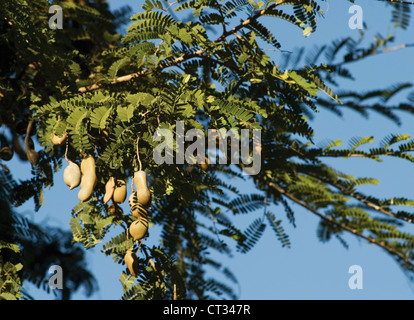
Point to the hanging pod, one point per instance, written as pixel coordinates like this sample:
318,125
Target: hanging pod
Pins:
120,191
143,193
137,209
72,175
88,179
32,155
6,153
131,260
138,229
59,140
114,209
109,189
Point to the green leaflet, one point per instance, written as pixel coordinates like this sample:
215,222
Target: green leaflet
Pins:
308,86
115,67
278,229
355,143
125,114
88,225
252,234
141,98
7,245
99,117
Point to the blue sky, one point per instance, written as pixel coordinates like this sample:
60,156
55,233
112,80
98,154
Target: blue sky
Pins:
309,269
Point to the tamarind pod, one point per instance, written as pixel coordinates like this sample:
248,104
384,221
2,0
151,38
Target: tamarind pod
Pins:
109,189
72,175
137,209
138,229
131,260
32,155
143,193
88,179
17,147
114,209
59,140
132,202
120,191
6,153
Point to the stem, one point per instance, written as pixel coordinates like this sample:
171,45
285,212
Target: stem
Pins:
152,264
185,57
67,147
139,160
399,1
362,199
333,222
385,50
139,246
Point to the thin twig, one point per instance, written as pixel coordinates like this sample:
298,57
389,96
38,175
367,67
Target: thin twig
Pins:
171,4
399,1
185,57
385,50
67,147
139,160
361,199
139,246
335,223
152,264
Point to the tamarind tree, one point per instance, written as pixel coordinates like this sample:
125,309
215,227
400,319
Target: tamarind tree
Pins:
205,64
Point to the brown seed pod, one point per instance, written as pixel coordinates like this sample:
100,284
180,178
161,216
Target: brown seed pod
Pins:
143,193
17,147
72,175
137,209
131,260
88,180
32,155
59,140
109,189
138,229
6,153
120,191
114,209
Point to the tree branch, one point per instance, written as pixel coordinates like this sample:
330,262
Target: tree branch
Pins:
377,52
337,224
362,199
399,1
185,57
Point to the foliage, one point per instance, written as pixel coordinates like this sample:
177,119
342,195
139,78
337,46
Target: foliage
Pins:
27,250
204,63
40,64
